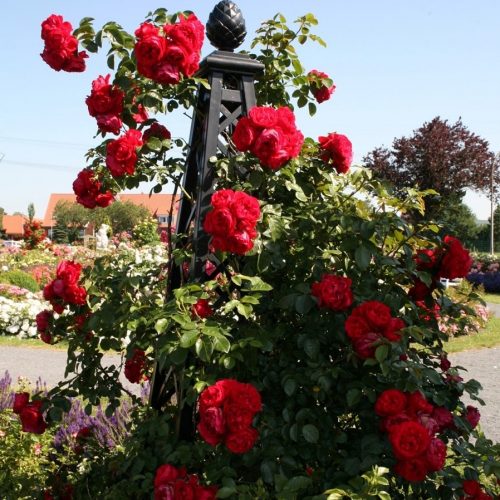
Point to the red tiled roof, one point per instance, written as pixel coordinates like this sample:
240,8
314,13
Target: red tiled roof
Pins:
13,224
157,204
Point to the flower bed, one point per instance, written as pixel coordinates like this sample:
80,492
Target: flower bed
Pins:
18,317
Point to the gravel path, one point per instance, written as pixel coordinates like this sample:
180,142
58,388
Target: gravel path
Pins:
484,366
49,364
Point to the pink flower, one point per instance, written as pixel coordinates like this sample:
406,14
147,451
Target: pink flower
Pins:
320,91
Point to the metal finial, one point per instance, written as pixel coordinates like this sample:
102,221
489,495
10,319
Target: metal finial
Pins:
226,26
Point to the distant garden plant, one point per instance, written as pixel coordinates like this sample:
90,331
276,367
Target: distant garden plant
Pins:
312,365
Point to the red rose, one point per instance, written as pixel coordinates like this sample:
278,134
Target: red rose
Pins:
61,47
202,308
226,413
456,261
388,423
333,292
43,320
105,103
320,91
392,329
171,483
409,439
472,416
435,455
164,57
46,337
418,404
365,346
212,425
32,418
390,402
142,114
121,153
69,272
149,49
241,440
474,491
443,417
337,150
444,363
21,399
88,190
135,366
156,130
232,221
269,134
356,327
427,259
414,469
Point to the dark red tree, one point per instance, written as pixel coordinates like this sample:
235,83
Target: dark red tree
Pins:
441,156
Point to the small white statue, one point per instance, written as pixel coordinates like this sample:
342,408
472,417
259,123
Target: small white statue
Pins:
101,237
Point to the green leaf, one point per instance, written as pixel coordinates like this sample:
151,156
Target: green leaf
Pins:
311,347
353,396
304,303
297,483
189,338
310,433
222,344
363,257
204,349
381,352
226,492
161,325
290,386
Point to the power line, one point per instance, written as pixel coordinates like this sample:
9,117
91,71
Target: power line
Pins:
71,145
48,166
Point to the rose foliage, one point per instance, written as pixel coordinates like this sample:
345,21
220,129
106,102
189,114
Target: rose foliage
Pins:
301,367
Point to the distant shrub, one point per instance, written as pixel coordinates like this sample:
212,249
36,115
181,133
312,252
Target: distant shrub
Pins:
490,280
20,279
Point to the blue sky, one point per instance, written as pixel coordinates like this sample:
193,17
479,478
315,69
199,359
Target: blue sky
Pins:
395,64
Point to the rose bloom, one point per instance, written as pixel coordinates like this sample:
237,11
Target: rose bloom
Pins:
390,402
43,320
409,440
156,130
32,419
232,221
269,134
320,92
121,153
435,455
443,417
241,440
456,261
474,491
21,399
472,416
366,345
333,292
202,308
88,190
61,47
212,425
417,403
413,469
135,366
106,100
172,483
337,150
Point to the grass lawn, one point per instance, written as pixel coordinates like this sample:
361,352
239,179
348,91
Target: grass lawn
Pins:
11,341
491,297
489,337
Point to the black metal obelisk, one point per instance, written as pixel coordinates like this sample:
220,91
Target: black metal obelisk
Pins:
231,95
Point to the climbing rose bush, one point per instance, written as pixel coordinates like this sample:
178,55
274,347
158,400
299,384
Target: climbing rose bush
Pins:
271,369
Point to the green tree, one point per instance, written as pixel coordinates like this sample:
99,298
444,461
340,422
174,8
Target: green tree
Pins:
457,219
2,212
31,212
121,216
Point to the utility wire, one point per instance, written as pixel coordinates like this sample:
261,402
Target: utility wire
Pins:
48,166
71,145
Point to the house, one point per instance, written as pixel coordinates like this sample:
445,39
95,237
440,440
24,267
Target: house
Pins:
157,204
13,226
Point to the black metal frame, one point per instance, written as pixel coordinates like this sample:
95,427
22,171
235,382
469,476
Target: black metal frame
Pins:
231,95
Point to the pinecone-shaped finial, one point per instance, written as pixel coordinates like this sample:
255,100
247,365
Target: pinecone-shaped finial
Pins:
226,26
